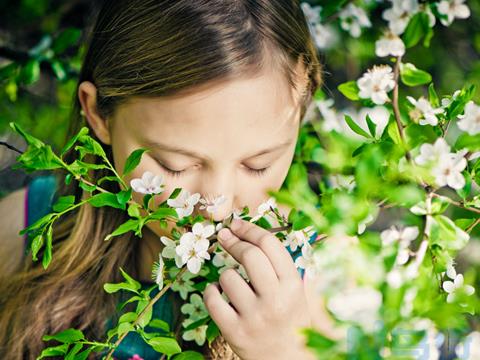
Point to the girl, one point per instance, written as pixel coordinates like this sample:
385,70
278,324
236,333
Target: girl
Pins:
217,89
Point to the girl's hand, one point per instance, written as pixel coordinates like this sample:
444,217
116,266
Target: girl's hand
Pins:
266,315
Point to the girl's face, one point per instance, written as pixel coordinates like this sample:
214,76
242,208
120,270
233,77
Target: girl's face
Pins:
236,139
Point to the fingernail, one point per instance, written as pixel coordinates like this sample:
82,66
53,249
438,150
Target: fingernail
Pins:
235,224
224,234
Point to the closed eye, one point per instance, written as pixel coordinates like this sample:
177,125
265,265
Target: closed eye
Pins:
177,173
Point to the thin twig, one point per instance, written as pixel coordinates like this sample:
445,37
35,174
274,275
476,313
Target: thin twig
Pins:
396,107
457,203
11,147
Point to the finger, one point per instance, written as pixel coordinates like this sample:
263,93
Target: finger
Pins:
220,311
238,291
271,246
257,266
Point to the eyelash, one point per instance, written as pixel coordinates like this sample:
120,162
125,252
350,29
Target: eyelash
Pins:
256,172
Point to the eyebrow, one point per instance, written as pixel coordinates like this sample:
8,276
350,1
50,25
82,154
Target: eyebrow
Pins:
174,149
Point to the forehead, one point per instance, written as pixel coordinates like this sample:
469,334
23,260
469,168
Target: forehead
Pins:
240,113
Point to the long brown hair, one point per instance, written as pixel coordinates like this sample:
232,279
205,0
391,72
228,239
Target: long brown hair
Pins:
141,48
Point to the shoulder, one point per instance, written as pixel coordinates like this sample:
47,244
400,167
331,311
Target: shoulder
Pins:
12,220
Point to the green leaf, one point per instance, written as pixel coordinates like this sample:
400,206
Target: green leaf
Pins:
47,255
31,140
141,305
124,328
128,317
63,203
471,142
30,73
37,244
71,355
54,351
133,160
87,187
83,131
189,355
372,127
84,354
8,71
445,233
350,90
159,324
162,213
129,225
130,280
66,336
113,288
90,146
106,199
67,38
42,158
355,127
197,323
134,210
417,27
212,331
165,345
123,196
411,76
175,193
59,70
432,96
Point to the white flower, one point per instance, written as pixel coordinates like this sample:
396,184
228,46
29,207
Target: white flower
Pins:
198,334
362,225
432,340
376,83
306,261
452,9
446,101
311,13
433,153
169,252
424,112
400,275
298,238
353,18
455,286
212,205
157,271
404,236
223,260
202,232
399,14
379,116
324,36
338,181
449,171
184,284
264,208
184,203
331,119
389,44
469,348
359,305
195,308
470,120
193,251
431,17
148,184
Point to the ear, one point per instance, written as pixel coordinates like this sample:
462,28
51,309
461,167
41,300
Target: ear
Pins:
87,95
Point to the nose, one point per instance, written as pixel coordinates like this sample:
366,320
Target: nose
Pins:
211,190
